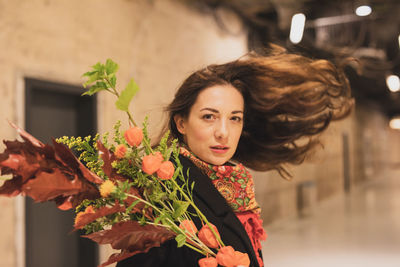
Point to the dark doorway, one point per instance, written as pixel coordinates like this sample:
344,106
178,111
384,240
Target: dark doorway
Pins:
55,110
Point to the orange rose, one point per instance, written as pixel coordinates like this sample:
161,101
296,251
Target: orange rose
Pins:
188,226
166,170
226,257
208,262
242,259
120,151
151,163
134,136
207,236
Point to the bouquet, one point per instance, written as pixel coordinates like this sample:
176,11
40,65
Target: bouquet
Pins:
126,193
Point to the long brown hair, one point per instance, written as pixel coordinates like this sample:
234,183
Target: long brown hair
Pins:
288,99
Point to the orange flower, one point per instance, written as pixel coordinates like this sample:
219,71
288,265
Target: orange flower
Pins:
166,170
207,236
188,226
151,163
120,151
134,136
226,257
208,262
242,259
106,188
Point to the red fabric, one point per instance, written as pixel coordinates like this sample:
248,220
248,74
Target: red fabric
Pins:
254,227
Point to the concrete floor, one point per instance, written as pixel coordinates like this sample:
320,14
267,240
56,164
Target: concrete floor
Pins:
360,229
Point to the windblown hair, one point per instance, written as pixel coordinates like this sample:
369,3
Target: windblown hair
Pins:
289,99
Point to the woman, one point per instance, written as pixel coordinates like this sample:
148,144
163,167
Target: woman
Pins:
257,111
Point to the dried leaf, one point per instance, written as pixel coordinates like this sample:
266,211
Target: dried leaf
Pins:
27,136
48,186
108,157
11,188
68,157
103,211
132,236
46,173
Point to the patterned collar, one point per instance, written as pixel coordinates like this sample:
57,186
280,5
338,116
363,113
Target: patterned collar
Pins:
234,182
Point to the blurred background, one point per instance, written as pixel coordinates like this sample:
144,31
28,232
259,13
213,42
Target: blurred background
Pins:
342,206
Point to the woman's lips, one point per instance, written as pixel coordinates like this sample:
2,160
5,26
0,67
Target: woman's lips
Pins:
219,149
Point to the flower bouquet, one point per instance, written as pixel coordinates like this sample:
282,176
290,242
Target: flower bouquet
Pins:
128,193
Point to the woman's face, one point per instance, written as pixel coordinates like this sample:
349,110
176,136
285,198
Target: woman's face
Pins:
214,125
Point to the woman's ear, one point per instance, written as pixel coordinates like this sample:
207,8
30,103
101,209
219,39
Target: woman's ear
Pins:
180,123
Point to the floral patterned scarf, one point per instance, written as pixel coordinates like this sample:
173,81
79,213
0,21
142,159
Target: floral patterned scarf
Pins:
235,184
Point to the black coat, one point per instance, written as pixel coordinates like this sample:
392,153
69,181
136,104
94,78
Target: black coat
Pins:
218,212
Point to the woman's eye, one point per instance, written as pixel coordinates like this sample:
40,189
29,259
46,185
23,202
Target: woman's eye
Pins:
208,116
236,119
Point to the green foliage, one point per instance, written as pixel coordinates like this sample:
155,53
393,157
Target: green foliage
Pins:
180,240
126,96
146,139
118,136
88,151
180,208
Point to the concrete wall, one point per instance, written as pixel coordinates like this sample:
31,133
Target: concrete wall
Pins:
158,42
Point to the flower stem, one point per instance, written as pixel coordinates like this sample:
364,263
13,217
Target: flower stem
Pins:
198,211
117,95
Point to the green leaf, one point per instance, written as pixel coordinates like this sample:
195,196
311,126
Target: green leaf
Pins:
111,67
240,181
180,208
180,239
92,77
89,73
157,220
172,195
126,96
113,81
99,86
132,205
192,186
98,66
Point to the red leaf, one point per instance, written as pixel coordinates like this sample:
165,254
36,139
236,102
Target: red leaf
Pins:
103,211
11,188
71,161
132,236
46,173
47,186
19,164
27,136
108,157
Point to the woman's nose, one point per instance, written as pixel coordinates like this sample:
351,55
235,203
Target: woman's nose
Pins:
221,130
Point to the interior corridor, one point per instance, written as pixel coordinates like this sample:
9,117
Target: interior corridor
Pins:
358,229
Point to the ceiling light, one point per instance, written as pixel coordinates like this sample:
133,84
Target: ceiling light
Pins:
363,11
297,28
393,83
395,123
